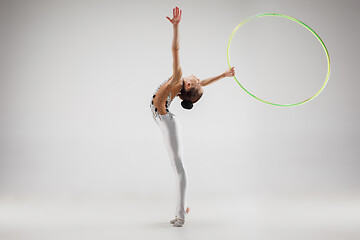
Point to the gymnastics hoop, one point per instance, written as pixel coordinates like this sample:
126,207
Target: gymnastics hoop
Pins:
302,24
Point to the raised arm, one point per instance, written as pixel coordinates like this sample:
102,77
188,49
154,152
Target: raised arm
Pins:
227,73
177,71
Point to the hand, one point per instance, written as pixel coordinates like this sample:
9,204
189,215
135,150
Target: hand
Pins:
176,16
230,72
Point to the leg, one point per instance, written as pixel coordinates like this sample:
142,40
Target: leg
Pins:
171,131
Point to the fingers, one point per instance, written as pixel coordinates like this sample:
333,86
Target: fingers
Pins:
176,12
232,71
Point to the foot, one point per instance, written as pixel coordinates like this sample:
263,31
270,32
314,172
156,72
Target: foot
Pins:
173,221
179,222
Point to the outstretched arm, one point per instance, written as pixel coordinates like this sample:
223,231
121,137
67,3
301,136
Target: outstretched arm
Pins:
227,73
177,71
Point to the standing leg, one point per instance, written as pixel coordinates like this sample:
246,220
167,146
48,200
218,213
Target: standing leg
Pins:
171,130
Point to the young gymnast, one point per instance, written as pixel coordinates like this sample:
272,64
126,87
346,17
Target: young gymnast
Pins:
190,90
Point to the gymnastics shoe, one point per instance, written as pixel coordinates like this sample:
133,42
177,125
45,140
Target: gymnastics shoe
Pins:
174,220
179,222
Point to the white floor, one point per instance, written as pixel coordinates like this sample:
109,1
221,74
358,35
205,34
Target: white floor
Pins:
244,217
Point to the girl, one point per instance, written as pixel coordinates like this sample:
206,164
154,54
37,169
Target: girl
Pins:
190,90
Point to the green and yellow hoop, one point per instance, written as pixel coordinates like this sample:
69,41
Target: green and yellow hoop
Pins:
302,24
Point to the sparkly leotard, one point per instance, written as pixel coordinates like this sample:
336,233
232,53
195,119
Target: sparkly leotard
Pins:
154,110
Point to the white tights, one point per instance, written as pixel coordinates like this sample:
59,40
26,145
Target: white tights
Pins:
171,131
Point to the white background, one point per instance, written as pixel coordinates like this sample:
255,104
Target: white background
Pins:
76,79
82,158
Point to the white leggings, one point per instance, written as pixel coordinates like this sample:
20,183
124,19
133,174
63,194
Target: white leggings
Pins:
171,131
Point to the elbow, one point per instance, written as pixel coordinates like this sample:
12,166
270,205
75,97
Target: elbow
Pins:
175,48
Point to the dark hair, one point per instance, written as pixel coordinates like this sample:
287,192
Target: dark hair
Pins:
190,96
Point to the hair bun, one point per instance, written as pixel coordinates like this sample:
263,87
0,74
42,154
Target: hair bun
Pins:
186,104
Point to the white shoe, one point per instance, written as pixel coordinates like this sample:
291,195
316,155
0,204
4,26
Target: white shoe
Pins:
172,221
176,218
179,222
